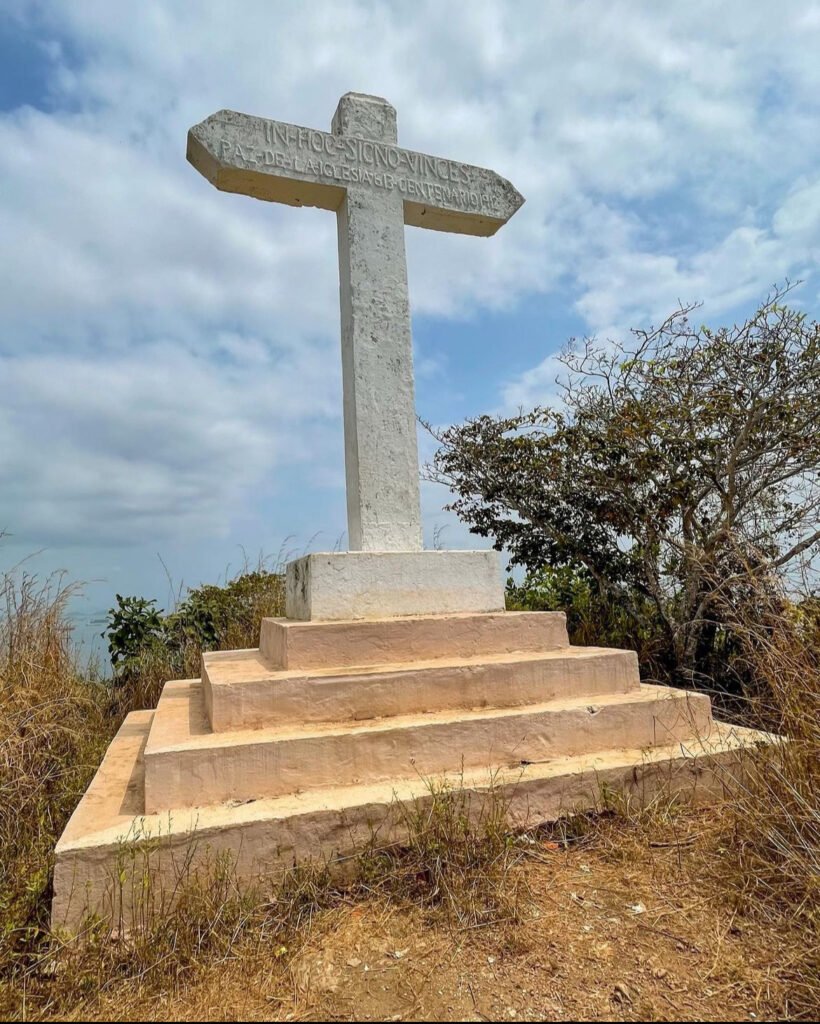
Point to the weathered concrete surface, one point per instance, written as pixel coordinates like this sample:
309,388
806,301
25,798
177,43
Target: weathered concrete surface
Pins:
381,449
548,726
188,765
294,644
383,584
284,163
111,847
243,692
375,187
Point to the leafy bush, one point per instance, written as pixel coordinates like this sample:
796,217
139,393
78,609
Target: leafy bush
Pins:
133,626
210,617
674,473
227,617
148,647
593,618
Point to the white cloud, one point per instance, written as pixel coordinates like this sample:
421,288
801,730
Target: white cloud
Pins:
627,286
157,444
166,348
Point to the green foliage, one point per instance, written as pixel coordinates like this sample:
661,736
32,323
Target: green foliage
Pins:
673,474
133,626
210,614
550,590
208,618
593,617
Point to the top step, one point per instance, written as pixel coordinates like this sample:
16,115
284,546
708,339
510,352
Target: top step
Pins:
294,644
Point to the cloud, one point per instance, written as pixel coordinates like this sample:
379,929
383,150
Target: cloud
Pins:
153,445
627,286
168,350
103,241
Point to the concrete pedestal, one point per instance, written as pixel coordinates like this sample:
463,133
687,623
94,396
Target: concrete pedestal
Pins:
296,749
384,584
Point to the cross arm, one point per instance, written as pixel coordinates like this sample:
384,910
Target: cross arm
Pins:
285,163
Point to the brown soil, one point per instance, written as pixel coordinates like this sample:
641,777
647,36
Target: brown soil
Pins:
629,925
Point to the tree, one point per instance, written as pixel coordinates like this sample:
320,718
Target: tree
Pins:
673,471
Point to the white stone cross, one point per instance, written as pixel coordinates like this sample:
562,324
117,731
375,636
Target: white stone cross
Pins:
375,188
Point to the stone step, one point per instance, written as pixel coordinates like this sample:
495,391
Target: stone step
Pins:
110,836
242,691
293,644
187,764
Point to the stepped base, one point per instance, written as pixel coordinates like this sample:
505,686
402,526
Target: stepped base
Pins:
111,846
242,691
300,748
189,765
299,645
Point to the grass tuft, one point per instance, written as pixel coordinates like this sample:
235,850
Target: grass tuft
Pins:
457,860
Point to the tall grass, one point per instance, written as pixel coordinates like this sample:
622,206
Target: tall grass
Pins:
57,717
760,850
775,813
459,861
457,857
766,858
54,728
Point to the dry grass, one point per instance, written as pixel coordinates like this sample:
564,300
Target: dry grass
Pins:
458,859
769,862
760,853
615,919
457,867
53,732
56,720
731,897
776,829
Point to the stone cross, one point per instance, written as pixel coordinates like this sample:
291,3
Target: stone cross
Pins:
375,188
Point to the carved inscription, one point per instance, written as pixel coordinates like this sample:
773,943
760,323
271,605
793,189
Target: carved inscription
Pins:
345,159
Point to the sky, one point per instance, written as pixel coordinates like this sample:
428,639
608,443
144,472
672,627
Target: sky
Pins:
169,354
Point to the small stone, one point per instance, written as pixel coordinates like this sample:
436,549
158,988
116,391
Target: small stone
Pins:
622,993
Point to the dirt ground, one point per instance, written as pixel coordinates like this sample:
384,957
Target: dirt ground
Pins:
628,928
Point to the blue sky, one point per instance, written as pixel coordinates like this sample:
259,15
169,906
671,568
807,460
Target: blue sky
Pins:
169,354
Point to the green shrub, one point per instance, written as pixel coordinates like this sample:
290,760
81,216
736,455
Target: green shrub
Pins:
133,626
149,647
594,618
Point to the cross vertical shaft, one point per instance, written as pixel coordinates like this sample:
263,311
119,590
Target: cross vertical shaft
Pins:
375,188
381,448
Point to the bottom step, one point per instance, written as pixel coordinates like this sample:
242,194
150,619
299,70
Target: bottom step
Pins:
104,856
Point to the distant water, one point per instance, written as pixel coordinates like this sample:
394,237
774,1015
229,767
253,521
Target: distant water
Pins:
87,628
